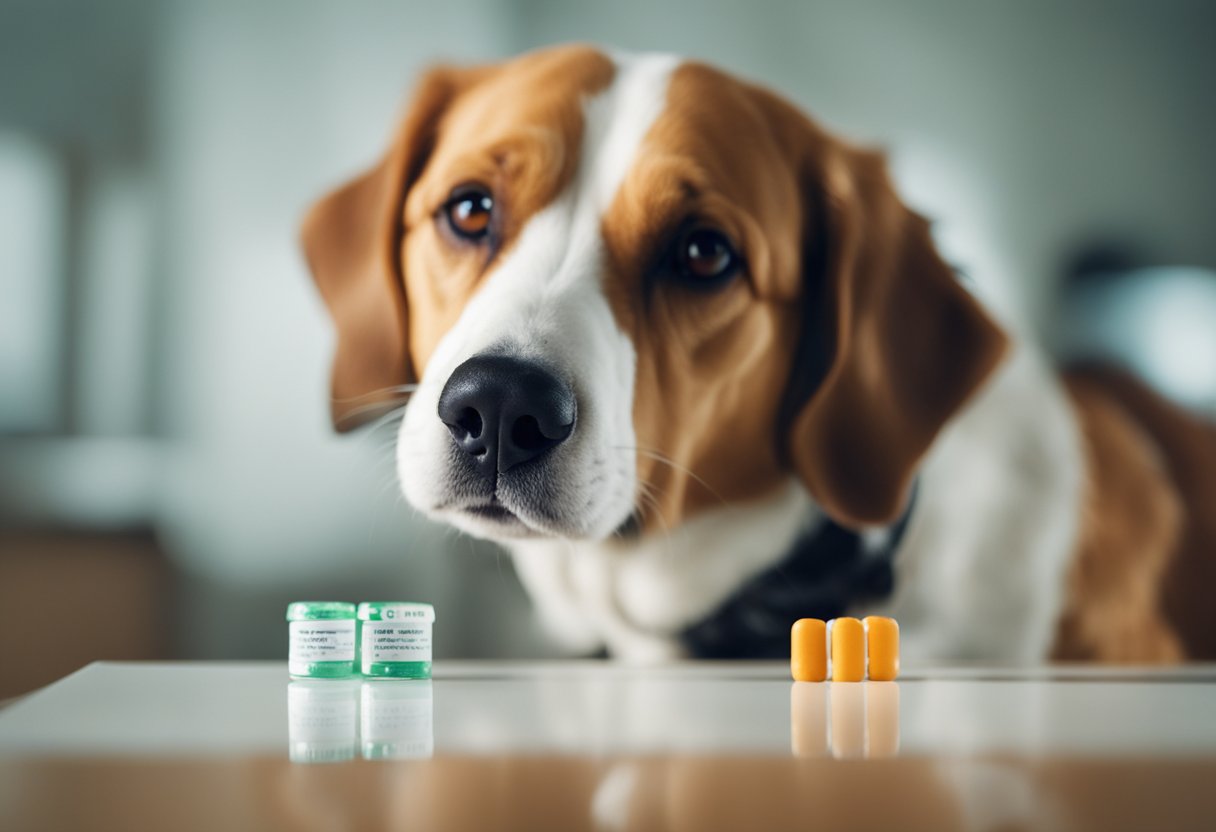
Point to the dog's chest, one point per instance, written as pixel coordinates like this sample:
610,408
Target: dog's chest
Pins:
637,596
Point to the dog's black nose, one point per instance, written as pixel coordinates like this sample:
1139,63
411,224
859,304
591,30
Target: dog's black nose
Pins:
504,411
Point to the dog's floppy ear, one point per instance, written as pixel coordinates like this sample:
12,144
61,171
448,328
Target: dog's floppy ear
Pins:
352,242
892,345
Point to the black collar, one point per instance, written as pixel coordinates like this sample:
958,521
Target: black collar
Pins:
829,570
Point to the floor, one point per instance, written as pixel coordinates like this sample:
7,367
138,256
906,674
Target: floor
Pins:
599,746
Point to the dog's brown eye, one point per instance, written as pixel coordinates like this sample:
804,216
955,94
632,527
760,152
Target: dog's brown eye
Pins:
469,212
705,255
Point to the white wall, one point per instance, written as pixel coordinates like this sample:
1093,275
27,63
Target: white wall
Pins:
31,216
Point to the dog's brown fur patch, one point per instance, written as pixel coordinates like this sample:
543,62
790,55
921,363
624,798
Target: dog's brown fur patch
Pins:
1140,586
711,364
1130,525
526,153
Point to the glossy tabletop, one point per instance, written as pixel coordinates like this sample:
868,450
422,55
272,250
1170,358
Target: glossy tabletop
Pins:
604,746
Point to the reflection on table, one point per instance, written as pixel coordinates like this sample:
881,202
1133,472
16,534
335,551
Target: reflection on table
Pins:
852,720
387,720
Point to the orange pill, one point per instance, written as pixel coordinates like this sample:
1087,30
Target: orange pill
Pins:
882,646
848,639
808,650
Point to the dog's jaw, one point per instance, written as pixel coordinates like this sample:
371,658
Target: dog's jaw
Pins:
545,302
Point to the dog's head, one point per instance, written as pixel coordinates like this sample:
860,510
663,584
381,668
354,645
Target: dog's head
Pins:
630,288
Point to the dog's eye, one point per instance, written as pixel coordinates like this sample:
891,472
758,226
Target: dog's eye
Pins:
469,211
706,257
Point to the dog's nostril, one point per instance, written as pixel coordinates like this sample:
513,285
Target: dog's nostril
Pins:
527,435
470,422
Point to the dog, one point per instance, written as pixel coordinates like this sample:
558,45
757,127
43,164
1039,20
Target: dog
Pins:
688,356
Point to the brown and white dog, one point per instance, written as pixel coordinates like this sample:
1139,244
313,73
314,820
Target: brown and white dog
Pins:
662,327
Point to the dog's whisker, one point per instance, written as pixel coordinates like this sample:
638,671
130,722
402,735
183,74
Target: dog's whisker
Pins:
649,491
652,494
352,417
671,463
384,422
648,498
376,394
389,483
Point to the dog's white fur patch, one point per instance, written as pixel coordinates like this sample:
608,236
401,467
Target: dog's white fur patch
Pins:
981,572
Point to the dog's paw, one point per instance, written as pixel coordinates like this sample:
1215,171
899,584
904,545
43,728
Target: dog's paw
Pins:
644,649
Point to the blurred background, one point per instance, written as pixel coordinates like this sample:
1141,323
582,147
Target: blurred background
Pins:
168,477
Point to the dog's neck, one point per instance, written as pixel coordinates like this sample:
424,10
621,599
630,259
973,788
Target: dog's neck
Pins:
641,598
828,571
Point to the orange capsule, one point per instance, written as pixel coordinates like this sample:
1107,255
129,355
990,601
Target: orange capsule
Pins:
808,650
848,650
882,646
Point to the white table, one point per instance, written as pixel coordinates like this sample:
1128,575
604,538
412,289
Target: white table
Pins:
604,746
